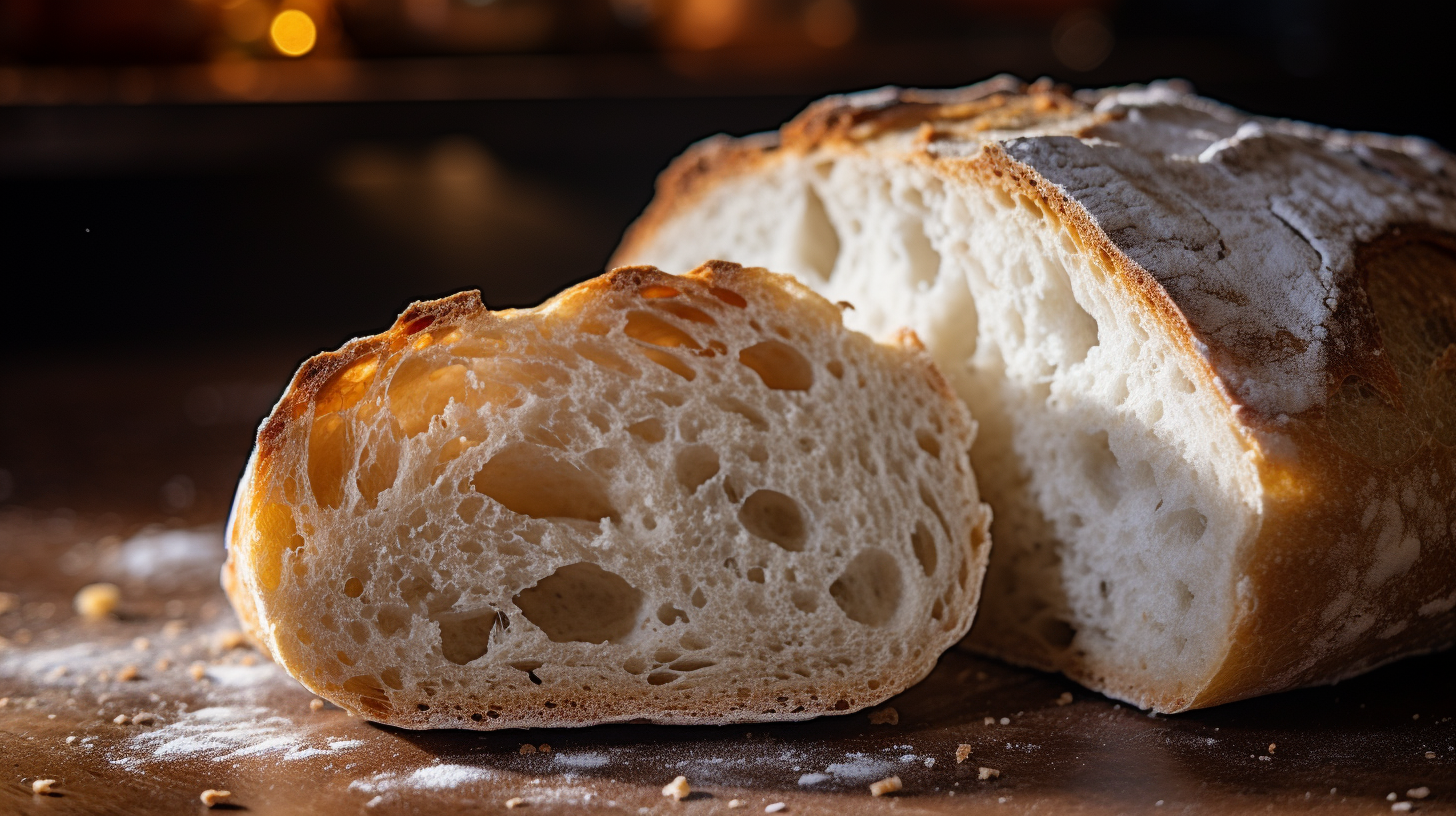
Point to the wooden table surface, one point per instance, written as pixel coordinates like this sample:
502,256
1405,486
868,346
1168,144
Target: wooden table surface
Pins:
97,501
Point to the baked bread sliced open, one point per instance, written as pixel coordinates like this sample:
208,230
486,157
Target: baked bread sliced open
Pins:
693,499
1213,357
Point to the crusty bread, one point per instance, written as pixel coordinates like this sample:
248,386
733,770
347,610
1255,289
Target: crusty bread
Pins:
681,500
1213,357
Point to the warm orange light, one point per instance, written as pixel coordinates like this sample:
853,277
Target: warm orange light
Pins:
293,33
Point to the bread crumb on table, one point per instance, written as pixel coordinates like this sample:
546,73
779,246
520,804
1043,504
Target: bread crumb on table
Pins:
1271,747
987,773
144,718
127,673
8,601
544,748
315,704
164,664
1401,807
885,716
678,789
1430,755
198,671
889,784
514,802
1065,698
141,644
43,787
172,629
990,721
120,719
213,798
962,752
1418,793
775,807
735,803
96,601
528,748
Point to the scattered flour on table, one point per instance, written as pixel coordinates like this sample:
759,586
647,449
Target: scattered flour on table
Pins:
228,732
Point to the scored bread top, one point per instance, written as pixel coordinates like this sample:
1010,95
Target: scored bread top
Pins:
692,499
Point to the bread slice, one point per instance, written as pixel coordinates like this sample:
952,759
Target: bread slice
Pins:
692,499
1213,357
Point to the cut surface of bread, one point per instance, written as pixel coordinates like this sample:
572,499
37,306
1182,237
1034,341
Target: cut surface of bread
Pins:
693,499
1213,357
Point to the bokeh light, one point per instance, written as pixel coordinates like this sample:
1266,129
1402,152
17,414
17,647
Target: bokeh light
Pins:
293,33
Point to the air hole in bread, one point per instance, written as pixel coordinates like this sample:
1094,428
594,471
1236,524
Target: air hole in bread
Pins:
419,392
776,517
465,636
529,667
922,541
699,599
468,508
815,247
607,360
928,442
695,465
276,533
804,600
449,452
662,678
330,457
347,386
1099,465
734,406
392,619
779,365
755,574
583,603
836,368
653,291
928,498
378,463
669,362
729,297
648,430
634,665
920,256
687,312
690,664
649,328
353,588
669,614
391,678
1184,526
869,589
529,480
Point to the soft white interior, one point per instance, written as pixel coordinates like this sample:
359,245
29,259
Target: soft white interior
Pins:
668,505
1119,487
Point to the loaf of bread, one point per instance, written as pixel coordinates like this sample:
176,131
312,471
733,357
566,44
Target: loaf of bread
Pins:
692,499
1213,357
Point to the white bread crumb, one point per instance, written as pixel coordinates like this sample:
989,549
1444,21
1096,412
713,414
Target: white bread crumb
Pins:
1430,755
70,739
213,798
172,629
315,704
775,807
990,721
120,719
735,803
127,673
42,787
678,789
1065,698
885,716
141,644
987,773
514,802
1418,793
889,784
1401,807
96,601
144,718
1390,797
962,752
198,671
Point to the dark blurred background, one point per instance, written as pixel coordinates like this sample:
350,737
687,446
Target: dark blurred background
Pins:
195,194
